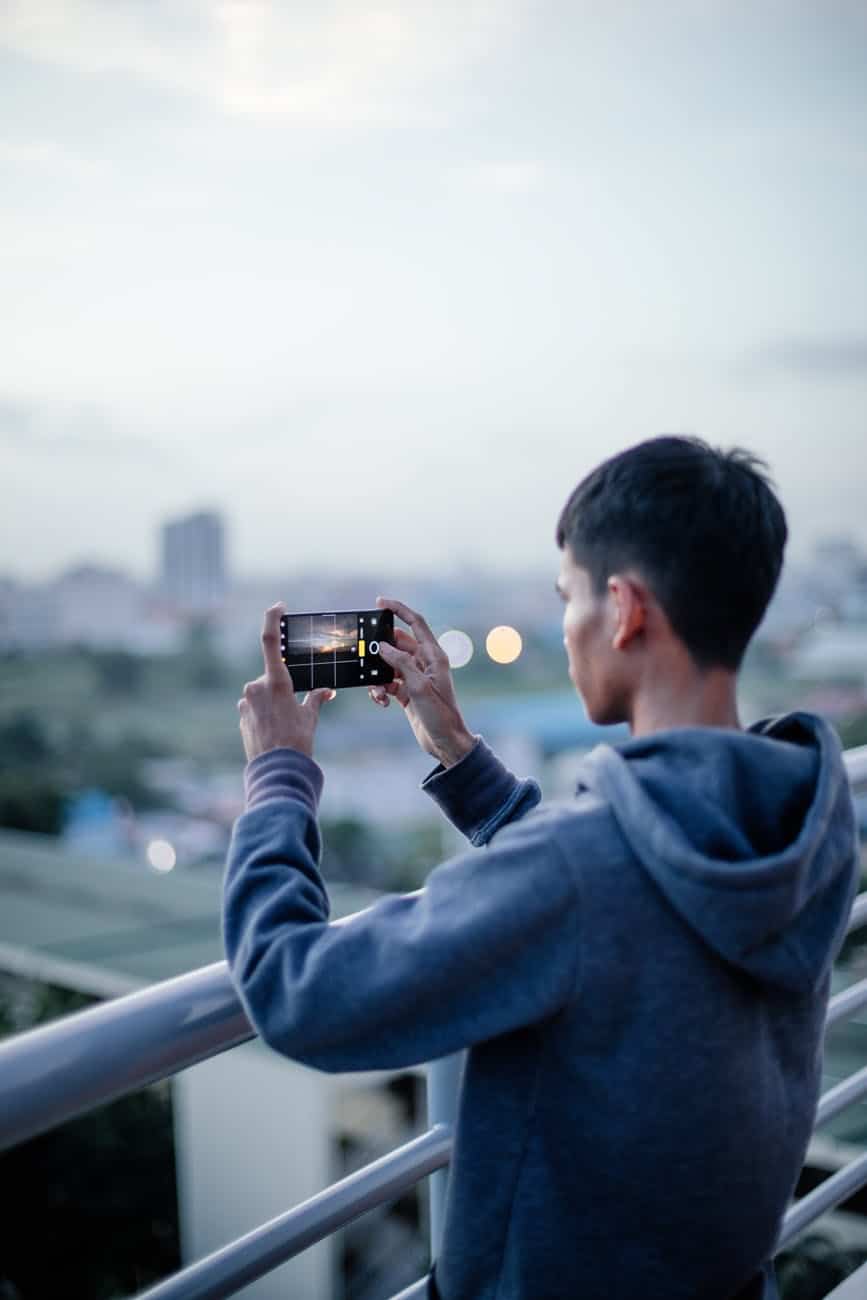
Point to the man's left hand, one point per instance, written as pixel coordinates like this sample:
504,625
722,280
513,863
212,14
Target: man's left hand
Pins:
271,715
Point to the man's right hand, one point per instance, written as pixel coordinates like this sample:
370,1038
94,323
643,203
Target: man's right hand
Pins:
423,687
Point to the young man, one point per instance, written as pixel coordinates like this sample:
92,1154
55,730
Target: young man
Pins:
641,974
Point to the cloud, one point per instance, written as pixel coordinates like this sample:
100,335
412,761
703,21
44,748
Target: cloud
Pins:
801,142
517,176
45,153
344,65
808,358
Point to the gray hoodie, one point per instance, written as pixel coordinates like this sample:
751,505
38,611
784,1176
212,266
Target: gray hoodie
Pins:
641,976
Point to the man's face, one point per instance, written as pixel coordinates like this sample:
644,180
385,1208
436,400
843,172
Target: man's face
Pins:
589,624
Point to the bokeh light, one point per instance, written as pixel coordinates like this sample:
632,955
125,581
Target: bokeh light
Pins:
161,855
503,644
458,646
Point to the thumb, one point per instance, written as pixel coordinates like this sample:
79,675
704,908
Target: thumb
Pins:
314,700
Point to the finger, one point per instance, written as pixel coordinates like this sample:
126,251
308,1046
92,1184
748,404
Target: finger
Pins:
399,691
389,689
419,625
402,663
378,695
396,690
404,641
314,700
274,665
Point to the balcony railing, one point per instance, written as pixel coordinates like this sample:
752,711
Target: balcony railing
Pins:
51,1074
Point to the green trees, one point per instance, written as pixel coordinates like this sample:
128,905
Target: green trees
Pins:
811,1268
118,673
92,1206
32,797
39,773
203,667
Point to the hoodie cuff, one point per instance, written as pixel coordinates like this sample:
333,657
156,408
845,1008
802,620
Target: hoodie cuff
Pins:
283,774
478,793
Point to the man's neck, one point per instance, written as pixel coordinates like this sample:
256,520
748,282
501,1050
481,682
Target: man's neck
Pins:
691,699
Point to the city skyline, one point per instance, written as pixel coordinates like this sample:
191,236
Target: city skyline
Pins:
821,548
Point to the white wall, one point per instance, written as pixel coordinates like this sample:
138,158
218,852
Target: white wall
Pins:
252,1140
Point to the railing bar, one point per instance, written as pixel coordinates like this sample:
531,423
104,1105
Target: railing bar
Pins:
264,1248
417,1291
831,1192
855,761
92,1057
443,1100
841,1096
148,1036
858,915
854,1287
846,1003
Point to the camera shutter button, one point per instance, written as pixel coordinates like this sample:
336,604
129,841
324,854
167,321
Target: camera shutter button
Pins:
373,647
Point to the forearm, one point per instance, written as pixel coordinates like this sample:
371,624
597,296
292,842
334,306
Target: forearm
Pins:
266,850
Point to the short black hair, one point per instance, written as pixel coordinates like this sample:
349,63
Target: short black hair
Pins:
702,526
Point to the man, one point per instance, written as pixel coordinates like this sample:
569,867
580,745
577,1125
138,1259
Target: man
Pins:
641,975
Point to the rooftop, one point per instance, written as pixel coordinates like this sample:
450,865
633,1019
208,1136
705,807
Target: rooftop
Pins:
109,928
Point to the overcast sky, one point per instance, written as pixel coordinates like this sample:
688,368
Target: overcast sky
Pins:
383,281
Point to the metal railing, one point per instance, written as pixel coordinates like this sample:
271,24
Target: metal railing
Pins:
51,1074
85,1060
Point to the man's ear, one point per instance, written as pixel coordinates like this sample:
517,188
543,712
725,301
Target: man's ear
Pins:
630,606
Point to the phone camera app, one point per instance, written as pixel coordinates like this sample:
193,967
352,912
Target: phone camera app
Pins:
333,650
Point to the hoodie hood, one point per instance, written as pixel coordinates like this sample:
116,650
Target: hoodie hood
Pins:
750,835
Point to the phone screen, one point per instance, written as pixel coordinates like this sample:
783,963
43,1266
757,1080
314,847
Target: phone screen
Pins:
336,649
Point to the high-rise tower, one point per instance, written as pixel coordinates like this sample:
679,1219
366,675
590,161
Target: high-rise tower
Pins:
193,560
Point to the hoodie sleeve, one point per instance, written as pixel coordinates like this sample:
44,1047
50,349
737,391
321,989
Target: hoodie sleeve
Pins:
479,794
489,945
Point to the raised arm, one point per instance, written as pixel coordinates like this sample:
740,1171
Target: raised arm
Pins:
423,687
490,944
471,786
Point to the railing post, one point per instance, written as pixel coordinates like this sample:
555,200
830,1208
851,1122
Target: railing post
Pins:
443,1092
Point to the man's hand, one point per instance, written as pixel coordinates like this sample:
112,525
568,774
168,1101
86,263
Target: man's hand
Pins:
423,687
271,716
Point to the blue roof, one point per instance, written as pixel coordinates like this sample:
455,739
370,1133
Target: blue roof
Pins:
555,720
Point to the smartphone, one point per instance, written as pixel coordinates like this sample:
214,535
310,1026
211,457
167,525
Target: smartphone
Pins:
339,648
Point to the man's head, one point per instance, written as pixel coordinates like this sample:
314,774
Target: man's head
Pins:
671,553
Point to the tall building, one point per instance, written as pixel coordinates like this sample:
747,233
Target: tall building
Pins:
193,560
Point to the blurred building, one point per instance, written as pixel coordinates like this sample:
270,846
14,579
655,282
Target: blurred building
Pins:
98,607
837,565
794,606
193,561
88,604
831,652
28,616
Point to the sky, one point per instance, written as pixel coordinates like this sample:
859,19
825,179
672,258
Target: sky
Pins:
383,282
